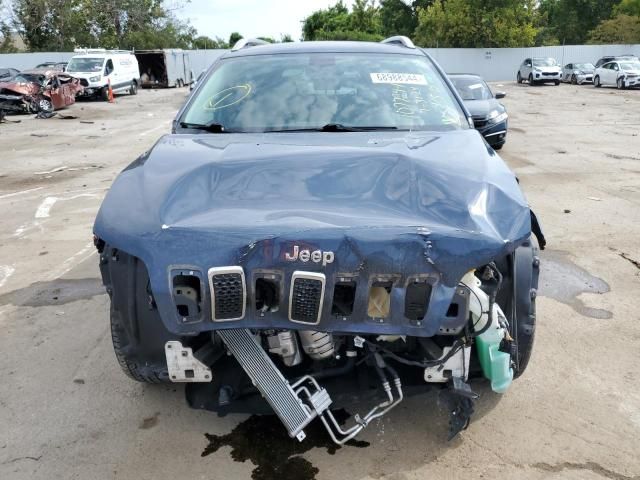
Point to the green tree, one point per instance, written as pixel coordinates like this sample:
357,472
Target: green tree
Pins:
399,17
233,38
202,42
628,7
571,20
622,29
285,38
477,23
337,23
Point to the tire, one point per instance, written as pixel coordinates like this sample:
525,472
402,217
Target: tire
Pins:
574,79
133,89
519,78
620,84
517,298
104,94
526,270
596,82
137,332
498,147
557,82
45,105
531,82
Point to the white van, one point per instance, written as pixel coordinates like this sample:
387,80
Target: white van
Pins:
97,67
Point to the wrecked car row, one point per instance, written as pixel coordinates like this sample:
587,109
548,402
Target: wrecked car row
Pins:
323,228
34,91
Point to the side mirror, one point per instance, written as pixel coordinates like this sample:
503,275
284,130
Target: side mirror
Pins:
499,95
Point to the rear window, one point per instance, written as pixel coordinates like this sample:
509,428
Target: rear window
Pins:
300,91
472,88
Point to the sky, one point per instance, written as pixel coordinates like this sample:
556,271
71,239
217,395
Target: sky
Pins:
252,18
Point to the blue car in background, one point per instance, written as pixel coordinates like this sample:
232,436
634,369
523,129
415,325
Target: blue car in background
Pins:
489,115
323,225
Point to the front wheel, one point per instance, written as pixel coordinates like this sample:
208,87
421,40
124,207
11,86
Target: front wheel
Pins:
133,89
557,82
519,78
574,80
596,82
45,105
621,84
531,82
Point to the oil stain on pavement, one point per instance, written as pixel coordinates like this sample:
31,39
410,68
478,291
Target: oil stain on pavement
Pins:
564,281
263,440
56,292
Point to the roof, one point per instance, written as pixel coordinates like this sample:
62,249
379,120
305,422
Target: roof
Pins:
320,47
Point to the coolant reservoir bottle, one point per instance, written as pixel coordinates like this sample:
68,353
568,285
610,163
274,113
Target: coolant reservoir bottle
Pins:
496,365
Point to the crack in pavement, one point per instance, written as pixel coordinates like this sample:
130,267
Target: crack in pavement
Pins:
589,466
633,262
35,459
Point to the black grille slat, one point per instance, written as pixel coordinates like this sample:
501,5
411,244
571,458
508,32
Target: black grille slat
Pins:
228,295
305,301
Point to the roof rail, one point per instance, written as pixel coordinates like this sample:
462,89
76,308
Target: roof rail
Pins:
399,40
248,42
98,50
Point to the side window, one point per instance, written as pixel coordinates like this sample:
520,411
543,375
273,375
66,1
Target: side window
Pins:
527,62
569,66
108,68
615,66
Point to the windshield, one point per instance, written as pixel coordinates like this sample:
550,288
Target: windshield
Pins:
472,88
544,62
309,91
583,66
630,65
85,64
28,78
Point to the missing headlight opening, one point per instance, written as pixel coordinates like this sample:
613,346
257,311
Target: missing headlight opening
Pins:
314,257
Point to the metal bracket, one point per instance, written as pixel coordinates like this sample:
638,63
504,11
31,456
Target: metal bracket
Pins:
183,366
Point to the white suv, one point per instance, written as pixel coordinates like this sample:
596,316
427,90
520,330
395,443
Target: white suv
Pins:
97,68
539,70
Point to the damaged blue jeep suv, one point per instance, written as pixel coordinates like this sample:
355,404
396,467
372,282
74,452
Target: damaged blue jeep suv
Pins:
323,224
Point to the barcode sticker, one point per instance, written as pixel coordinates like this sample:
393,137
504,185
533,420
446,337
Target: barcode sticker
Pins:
402,78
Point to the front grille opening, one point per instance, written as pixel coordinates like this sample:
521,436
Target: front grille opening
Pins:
187,296
228,292
416,300
267,295
453,310
380,299
344,296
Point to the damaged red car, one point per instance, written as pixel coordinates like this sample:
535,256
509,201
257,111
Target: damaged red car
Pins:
36,91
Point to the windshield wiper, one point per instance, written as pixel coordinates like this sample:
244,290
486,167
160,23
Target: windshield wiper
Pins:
335,127
212,127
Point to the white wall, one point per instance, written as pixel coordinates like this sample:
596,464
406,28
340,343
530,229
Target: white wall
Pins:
494,64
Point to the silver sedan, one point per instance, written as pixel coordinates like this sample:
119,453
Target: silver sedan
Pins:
578,73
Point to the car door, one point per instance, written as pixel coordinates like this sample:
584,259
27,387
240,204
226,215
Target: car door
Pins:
525,70
615,73
56,92
567,71
110,73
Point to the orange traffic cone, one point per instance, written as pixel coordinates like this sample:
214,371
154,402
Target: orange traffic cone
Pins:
111,99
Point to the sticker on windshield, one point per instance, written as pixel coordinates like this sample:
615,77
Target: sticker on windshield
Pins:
402,78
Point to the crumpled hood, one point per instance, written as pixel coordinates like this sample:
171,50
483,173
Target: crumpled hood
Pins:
20,88
383,202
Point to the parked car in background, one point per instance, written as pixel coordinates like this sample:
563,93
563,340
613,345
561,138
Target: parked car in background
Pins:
622,74
578,73
539,70
57,66
34,91
8,73
489,115
98,68
611,58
